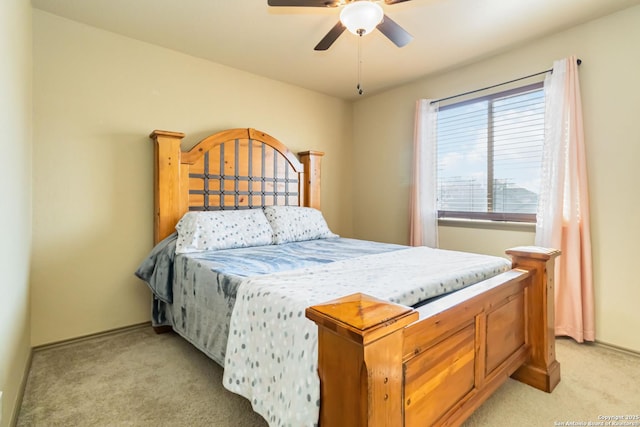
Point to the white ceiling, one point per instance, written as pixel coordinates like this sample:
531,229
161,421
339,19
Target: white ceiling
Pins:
277,42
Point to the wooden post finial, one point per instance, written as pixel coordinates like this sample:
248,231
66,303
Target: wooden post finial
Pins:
166,178
311,160
360,360
542,371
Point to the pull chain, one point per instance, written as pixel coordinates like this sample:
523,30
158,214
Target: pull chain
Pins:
359,86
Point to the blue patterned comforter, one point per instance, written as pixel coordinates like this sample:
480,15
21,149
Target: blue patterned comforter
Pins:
157,269
195,293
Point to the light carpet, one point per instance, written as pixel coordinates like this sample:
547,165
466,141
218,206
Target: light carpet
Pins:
138,378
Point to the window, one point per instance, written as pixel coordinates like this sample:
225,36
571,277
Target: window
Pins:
489,155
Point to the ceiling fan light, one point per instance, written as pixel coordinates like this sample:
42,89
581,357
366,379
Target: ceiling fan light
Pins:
361,16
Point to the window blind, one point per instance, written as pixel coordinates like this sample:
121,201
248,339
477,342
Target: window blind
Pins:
489,154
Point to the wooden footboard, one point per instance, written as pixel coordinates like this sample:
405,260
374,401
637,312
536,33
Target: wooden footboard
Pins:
383,364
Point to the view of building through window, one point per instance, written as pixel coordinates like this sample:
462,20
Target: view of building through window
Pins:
489,156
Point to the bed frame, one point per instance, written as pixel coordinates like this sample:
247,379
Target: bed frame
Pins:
380,364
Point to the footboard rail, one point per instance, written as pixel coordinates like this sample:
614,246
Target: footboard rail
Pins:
383,364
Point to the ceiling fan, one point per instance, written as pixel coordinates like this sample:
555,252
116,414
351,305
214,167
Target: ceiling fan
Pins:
358,16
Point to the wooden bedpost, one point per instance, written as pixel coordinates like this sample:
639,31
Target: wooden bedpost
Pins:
166,182
542,370
311,161
360,356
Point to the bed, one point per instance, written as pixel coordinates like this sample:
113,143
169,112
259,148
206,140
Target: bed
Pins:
326,330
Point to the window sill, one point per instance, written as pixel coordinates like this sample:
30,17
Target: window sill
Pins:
489,225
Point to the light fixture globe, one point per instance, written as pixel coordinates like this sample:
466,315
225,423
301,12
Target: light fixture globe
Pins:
361,17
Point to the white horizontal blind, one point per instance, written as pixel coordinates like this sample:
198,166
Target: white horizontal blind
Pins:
489,156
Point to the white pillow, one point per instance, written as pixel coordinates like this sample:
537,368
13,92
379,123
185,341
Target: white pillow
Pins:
214,230
295,224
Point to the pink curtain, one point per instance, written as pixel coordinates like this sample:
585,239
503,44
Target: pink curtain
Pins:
423,210
563,209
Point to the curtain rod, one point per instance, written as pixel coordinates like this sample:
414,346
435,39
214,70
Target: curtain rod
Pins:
550,70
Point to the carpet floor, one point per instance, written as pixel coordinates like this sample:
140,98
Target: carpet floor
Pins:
138,378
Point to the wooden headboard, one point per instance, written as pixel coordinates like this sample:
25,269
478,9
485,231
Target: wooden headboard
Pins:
233,169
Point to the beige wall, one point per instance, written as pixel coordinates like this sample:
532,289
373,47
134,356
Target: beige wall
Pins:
383,129
15,200
97,96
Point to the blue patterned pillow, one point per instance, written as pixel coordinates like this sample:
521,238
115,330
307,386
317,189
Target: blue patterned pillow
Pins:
214,230
295,224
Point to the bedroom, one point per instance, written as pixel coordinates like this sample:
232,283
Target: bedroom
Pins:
80,176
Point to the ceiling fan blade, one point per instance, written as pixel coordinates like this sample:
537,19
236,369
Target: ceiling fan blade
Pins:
394,32
394,1
304,3
331,36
